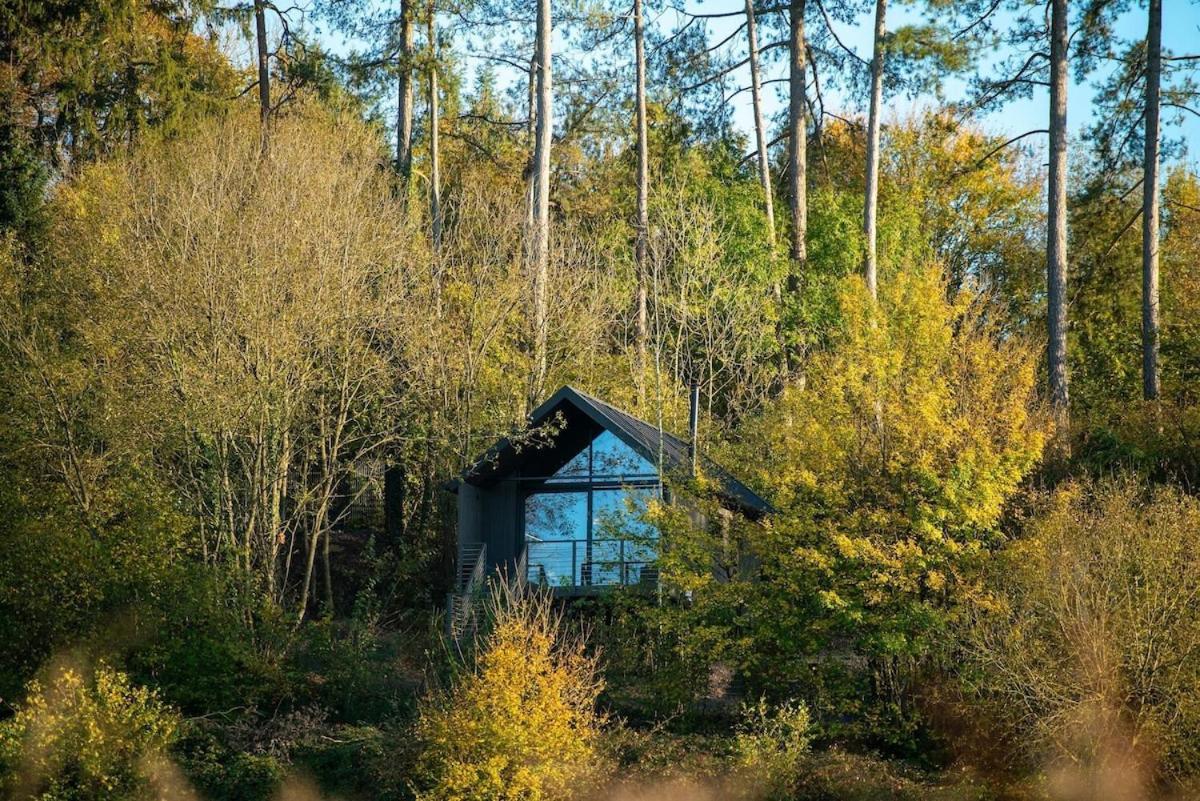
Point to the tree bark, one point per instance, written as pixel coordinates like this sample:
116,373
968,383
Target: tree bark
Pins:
264,63
404,111
1150,204
435,160
531,134
435,164
797,144
643,196
540,250
871,199
327,572
760,132
1056,229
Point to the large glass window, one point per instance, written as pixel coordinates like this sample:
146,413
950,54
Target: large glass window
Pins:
556,527
585,527
623,543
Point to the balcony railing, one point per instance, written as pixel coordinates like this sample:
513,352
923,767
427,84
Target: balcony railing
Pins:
590,563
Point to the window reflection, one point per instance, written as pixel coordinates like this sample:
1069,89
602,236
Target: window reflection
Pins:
556,528
612,457
622,541
574,470
588,530
605,457
567,548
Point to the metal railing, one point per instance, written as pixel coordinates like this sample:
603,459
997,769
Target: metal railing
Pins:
472,565
590,563
460,605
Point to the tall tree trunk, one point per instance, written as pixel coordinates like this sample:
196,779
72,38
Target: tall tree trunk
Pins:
264,63
327,572
1056,229
435,161
760,132
404,111
540,250
531,135
643,197
797,144
871,198
1150,200
133,106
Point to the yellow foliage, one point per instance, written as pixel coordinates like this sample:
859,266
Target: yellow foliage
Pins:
889,468
770,744
82,738
520,722
916,426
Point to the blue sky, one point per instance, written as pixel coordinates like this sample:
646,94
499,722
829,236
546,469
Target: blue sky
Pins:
1181,34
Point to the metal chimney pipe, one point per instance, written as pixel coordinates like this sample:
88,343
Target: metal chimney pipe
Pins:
694,427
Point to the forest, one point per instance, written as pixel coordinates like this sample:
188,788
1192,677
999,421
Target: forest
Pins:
272,278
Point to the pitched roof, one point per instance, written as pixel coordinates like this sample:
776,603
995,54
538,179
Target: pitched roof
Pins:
646,439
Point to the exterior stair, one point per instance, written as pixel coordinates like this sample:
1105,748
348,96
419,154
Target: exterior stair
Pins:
462,605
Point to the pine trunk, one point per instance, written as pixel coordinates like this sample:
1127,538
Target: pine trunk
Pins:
1056,229
264,62
404,111
540,249
435,165
643,196
871,198
760,132
797,144
1150,203
435,159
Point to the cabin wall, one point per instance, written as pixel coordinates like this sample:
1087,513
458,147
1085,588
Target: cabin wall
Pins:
489,515
499,523
470,511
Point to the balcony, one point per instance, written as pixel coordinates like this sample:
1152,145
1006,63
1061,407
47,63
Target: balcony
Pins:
580,565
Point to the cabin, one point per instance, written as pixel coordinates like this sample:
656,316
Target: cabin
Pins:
562,507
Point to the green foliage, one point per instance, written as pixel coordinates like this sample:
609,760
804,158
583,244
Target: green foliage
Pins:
63,582
81,736
1106,353
84,78
222,773
646,675
23,179
367,675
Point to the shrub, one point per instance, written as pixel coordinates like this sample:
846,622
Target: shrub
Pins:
771,742
519,720
84,738
1091,651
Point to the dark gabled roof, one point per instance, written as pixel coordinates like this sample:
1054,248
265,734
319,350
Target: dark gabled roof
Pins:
646,439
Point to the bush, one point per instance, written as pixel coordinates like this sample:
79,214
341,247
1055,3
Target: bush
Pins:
519,721
84,738
1091,651
771,744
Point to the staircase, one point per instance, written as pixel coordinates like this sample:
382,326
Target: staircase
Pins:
462,604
